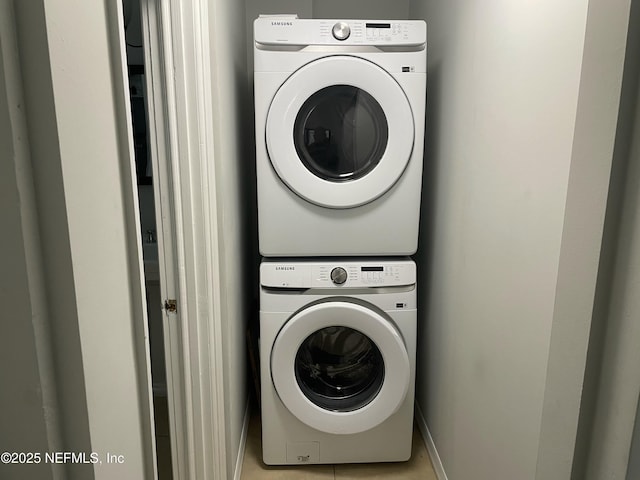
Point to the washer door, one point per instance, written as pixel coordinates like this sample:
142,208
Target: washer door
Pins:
340,367
340,132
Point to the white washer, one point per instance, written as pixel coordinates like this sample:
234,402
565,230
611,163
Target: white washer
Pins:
340,108
337,354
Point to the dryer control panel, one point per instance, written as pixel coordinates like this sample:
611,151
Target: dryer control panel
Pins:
287,30
337,274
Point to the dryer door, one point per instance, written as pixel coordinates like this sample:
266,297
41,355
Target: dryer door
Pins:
340,132
340,366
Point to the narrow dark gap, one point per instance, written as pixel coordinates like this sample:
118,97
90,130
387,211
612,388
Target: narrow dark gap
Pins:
149,240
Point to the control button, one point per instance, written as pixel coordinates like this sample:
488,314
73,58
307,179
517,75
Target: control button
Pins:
341,31
339,275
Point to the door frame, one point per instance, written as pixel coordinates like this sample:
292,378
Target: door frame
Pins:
177,62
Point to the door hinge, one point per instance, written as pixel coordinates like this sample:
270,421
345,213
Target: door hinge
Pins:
171,305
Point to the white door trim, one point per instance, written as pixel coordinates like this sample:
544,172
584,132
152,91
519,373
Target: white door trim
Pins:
177,58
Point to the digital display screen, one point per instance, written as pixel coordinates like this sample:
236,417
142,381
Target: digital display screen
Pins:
372,269
378,25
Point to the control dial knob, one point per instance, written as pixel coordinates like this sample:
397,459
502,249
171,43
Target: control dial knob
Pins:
339,275
341,31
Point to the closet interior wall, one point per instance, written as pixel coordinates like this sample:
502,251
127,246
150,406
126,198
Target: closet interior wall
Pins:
521,124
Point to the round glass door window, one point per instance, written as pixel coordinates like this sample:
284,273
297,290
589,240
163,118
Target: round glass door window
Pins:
339,369
340,366
340,133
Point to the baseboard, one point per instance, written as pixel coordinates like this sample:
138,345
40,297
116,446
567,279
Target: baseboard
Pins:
243,441
431,447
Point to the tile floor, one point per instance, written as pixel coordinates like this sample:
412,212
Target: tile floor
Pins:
417,468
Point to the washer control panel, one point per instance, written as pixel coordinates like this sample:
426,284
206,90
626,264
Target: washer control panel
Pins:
341,31
338,274
275,30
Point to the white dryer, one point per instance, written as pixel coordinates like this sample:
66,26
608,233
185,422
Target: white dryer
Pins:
339,109
337,353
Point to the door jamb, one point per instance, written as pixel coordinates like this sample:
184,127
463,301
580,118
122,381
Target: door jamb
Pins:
177,59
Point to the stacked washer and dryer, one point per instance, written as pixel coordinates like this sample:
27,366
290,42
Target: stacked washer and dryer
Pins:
339,108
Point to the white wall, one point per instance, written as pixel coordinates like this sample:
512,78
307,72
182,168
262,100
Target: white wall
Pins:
504,241
361,9
592,160
80,155
619,385
235,183
28,407
608,424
